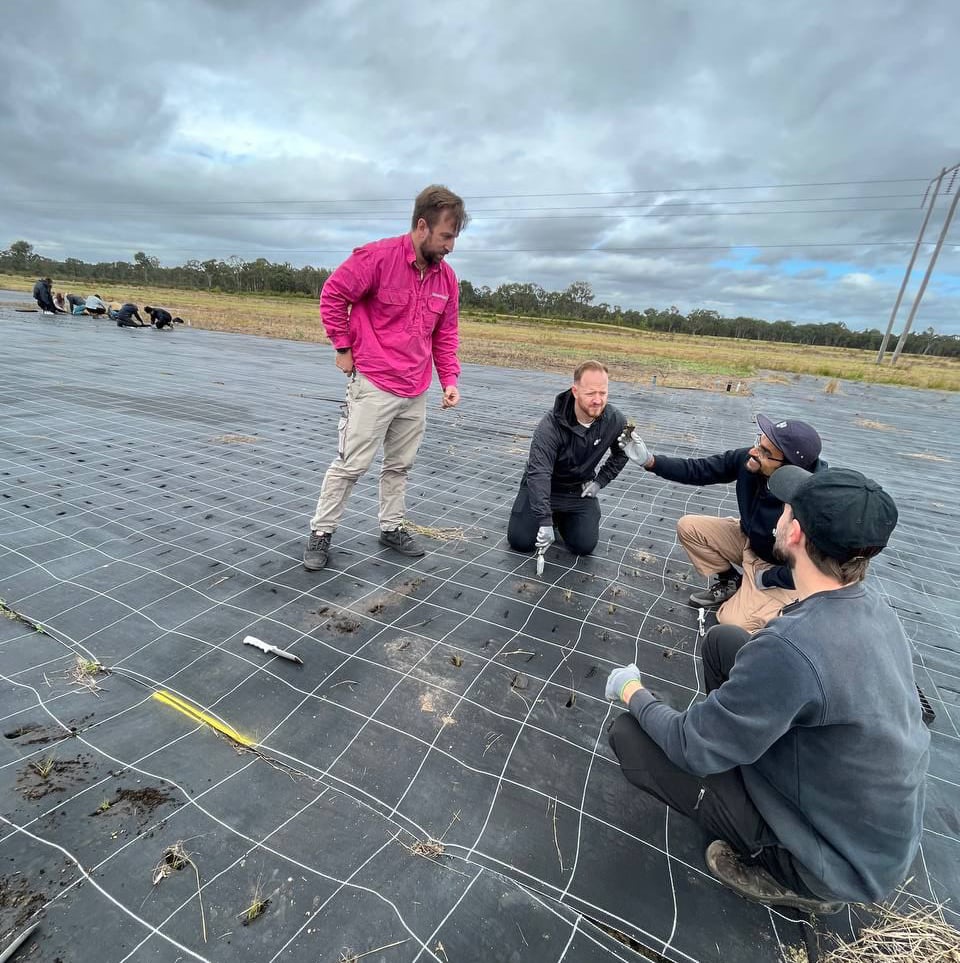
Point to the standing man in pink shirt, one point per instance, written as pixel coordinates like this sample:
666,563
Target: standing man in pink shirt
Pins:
391,312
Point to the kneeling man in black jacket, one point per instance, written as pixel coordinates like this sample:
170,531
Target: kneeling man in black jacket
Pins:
560,484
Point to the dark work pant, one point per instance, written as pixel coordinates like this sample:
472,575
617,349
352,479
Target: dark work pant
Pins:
578,523
718,803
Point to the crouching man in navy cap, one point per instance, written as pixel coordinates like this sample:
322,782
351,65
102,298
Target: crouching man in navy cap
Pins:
807,760
749,587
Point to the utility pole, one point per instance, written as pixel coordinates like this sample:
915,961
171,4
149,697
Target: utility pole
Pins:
923,286
913,258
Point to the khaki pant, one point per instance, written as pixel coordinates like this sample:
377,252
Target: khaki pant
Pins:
372,417
714,544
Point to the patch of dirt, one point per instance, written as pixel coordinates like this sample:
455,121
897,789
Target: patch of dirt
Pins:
235,439
342,623
138,802
393,595
42,777
17,902
40,735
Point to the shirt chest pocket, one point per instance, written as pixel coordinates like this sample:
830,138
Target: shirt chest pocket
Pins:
394,308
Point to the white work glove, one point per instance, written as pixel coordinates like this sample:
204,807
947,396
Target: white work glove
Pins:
619,678
590,489
633,447
545,537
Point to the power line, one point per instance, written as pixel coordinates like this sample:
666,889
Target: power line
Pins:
485,197
462,251
196,209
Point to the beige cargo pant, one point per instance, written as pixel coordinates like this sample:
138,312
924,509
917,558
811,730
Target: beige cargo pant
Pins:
714,544
372,418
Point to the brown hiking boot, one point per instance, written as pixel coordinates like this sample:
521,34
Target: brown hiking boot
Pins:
755,883
316,553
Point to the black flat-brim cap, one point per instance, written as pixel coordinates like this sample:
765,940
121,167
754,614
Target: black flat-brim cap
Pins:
840,510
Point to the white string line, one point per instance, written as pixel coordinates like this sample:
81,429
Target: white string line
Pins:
420,830
573,933
449,913
100,889
523,723
223,871
626,608
424,945
193,802
417,830
558,910
532,883
267,617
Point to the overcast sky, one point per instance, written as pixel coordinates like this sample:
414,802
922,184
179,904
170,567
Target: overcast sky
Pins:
654,149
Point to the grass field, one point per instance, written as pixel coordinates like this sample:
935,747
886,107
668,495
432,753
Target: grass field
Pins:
551,345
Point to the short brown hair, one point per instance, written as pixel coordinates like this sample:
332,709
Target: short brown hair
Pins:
435,200
582,369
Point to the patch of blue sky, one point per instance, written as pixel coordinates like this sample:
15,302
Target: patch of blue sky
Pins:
740,259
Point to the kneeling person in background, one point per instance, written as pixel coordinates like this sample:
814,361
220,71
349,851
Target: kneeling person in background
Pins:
560,483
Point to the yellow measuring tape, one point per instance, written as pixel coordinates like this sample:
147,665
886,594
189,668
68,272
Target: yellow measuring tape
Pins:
192,712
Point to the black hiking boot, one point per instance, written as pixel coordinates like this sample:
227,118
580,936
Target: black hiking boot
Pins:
400,540
755,883
317,551
718,593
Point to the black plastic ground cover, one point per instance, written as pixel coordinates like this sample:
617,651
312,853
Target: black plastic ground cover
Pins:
434,782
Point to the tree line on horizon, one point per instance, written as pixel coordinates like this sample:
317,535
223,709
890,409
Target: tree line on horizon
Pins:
237,276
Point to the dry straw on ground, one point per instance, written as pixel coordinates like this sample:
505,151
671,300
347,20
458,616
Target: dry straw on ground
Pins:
916,935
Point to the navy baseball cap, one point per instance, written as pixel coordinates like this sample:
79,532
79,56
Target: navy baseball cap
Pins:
841,511
798,441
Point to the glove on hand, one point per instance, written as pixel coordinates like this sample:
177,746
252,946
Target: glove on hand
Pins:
545,537
619,678
590,489
633,447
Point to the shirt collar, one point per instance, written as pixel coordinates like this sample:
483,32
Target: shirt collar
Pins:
410,253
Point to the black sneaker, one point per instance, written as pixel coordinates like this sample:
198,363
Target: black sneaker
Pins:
400,540
755,883
718,593
317,553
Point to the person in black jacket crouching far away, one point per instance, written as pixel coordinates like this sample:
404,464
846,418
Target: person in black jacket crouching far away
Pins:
808,757
160,318
721,546
560,484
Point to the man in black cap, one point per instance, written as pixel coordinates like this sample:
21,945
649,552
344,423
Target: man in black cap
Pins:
807,758
721,546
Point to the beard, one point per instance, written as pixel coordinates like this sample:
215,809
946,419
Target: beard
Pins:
782,555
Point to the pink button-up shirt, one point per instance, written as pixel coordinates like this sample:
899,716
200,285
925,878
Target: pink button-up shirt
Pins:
396,323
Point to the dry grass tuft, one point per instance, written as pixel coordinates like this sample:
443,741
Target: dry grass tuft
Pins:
441,534
175,857
875,425
916,936
84,673
348,956
832,387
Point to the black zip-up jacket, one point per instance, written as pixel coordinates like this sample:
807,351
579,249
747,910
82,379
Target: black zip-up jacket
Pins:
43,297
759,509
564,455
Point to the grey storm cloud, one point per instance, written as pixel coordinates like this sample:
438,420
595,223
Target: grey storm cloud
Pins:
643,147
